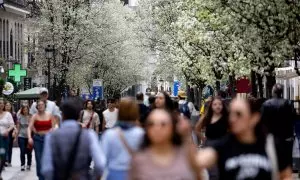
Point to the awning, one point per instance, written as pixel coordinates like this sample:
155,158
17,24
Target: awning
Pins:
29,94
287,76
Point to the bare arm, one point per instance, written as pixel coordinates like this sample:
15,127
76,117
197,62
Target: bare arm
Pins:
53,121
30,126
206,158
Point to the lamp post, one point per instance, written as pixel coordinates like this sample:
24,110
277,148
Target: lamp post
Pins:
49,52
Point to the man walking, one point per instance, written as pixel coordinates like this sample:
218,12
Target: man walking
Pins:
143,109
278,117
68,151
110,114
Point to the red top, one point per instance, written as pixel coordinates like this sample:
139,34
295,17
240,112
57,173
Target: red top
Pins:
41,125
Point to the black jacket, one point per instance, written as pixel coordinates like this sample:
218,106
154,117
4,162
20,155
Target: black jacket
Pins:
278,116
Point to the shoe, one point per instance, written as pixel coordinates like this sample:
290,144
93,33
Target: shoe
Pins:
28,168
9,165
22,168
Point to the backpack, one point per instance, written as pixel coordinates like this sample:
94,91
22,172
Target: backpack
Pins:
184,109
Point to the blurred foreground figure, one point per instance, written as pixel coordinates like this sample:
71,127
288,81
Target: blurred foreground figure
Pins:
119,142
278,116
247,152
69,150
164,155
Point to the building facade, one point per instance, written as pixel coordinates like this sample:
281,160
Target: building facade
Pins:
12,33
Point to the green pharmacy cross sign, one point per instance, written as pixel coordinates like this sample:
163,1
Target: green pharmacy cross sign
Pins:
17,72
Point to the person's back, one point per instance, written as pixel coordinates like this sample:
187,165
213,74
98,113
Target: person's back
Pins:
278,116
118,158
119,142
62,143
68,151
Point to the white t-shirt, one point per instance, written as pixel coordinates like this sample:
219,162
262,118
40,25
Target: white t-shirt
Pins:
50,107
110,117
6,121
87,117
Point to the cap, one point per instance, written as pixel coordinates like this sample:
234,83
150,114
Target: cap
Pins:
181,94
43,90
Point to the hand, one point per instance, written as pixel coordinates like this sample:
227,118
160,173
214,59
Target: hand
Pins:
5,134
30,141
15,140
83,125
15,134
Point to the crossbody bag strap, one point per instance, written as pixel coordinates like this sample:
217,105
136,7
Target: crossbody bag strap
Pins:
124,142
271,153
90,121
73,154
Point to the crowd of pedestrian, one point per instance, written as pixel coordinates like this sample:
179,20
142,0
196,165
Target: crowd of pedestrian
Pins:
127,140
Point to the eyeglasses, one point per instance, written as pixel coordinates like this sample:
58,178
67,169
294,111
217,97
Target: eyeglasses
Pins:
161,124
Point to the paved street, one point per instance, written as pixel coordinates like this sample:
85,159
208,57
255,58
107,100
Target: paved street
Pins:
14,172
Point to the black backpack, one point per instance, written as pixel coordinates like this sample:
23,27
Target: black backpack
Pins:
184,109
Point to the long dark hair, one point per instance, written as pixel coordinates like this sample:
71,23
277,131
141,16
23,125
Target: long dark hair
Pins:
255,107
92,102
169,105
206,120
176,138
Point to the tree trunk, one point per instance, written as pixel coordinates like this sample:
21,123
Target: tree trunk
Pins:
260,85
271,80
232,86
218,85
253,84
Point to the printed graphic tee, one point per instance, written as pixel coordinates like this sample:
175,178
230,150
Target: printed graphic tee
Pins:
237,161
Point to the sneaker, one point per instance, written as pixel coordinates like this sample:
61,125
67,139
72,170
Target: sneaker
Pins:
28,168
9,165
22,168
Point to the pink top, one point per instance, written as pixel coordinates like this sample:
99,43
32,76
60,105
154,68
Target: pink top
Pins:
143,167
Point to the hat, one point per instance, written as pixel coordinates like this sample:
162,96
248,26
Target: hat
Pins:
181,94
43,90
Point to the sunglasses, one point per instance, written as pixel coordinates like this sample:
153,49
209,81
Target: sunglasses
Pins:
161,124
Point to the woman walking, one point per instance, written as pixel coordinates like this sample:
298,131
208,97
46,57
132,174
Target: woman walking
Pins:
22,126
163,154
214,124
163,101
246,153
119,142
12,133
41,123
6,125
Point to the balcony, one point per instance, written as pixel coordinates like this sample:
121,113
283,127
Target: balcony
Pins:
16,3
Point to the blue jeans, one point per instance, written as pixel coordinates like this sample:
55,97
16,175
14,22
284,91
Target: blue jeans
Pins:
23,143
117,175
38,146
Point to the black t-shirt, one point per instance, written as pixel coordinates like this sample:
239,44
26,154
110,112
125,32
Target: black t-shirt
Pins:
238,161
217,130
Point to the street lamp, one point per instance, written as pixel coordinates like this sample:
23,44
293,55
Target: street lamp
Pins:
49,53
